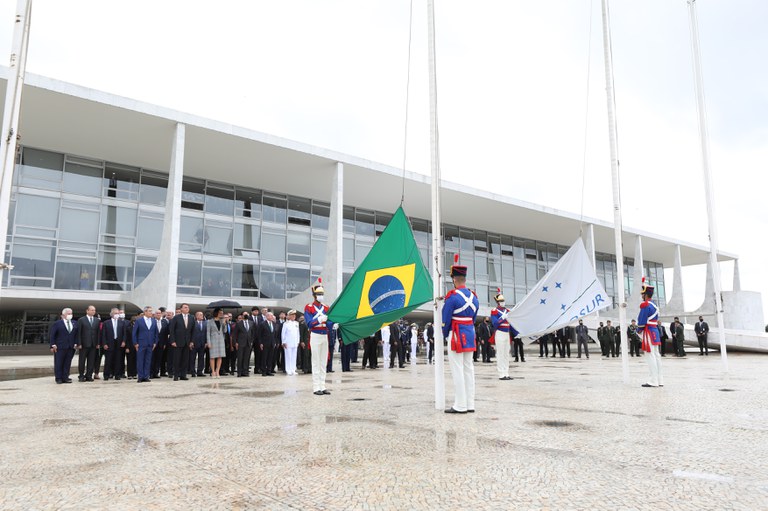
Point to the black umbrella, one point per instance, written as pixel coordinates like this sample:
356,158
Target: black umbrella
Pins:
224,304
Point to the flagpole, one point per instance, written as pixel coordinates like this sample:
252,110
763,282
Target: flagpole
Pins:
10,126
617,225
710,195
437,239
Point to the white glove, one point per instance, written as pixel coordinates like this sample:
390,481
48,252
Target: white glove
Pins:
322,318
335,326
504,315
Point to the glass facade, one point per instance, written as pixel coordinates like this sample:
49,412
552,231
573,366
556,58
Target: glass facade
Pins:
82,224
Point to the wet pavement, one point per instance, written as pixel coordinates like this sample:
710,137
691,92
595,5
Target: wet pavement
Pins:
565,434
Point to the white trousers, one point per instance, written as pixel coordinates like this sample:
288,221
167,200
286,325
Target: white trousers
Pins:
414,344
385,351
319,345
463,371
654,366
290,359
502,353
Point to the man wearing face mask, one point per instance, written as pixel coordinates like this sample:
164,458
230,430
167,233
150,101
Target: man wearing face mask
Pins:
88,342
63,339
113,344
316,317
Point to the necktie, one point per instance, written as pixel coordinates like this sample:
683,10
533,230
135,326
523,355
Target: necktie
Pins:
114,327
90,320
200,323
246,325
270,327
185,321
69,327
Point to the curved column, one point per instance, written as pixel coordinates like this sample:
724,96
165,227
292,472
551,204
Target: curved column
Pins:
159,288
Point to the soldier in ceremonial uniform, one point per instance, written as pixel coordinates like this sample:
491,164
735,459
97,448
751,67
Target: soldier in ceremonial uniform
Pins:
647,326
502,335
459,312
316,317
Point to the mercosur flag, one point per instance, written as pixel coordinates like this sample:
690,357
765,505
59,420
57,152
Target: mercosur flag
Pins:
390,282
568,291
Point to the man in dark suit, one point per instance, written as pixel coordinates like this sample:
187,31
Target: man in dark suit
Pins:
199,340
144,340
702,329
63,338
396,348
159,353
180,336
88,343
484,337
564,334
370,348
267,341
113,343
244,331
169,350
678,337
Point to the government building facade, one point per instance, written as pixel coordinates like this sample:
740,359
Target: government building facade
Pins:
120,203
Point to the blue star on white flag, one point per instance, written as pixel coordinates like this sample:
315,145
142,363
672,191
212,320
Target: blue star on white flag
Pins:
568,291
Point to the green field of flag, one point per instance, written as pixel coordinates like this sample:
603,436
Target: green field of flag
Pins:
390,282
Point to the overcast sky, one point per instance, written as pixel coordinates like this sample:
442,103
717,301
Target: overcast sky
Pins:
521,87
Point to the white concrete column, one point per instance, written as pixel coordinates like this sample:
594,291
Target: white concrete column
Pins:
675,303
634,300
589,242
736,276
159,288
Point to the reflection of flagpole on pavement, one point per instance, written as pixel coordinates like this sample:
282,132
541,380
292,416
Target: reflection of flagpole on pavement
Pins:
437,239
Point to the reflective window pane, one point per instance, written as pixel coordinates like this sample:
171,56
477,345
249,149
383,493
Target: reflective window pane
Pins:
73,274
275,209
79,225
192,194
82,179
218,239
192,236
349,219
245,280
115,270
273,283
298,246
217,281
321,212
348,252
40,169
153,188
142,268
33,258
247,203
297,281
37,211
150,232
121,182
299,211
318,252
247,239
189,273
219,200
118,224
365,223
273,246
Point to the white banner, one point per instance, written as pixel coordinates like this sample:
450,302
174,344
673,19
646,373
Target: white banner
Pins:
567,292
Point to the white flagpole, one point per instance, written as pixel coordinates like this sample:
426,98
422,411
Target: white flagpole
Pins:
10,127
617,225
437,238
704,142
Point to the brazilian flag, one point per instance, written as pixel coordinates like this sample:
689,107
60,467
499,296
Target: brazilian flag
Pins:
391,282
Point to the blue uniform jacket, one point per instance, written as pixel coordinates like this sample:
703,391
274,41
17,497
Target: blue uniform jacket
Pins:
459,313
311,311
648,324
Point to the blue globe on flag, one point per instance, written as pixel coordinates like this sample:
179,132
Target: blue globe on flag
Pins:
386,294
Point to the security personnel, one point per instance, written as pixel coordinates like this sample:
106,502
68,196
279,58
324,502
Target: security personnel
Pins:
647,326
316,317
502,334
459,312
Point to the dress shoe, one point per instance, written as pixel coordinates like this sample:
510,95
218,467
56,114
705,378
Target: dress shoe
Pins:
265,375
647,385
330,371
59,382
81,378
326,392
175,378
201,374
193,375
89,379
451,410
470,411
318,392
117,378
184,378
